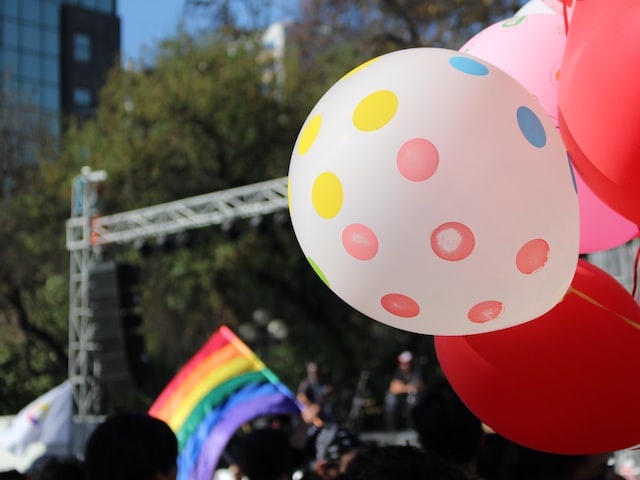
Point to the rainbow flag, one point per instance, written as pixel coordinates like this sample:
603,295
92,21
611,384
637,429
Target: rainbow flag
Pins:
223,386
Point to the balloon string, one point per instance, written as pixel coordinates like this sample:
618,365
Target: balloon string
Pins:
635,273
566,17
586,297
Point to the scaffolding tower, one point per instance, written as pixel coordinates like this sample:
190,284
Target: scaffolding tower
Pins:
87,232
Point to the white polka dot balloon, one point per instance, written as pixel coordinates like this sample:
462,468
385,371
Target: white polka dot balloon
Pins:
432,193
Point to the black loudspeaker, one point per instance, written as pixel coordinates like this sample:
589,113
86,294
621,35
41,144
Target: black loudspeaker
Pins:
114,299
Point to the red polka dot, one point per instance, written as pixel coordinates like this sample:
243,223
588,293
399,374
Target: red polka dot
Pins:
400,305
452,241
532,256
417,159
360,241
485,311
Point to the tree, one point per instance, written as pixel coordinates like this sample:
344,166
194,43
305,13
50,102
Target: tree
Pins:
379,26
209,115
202,120
206,118
33,287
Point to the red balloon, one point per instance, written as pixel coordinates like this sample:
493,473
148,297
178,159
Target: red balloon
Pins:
566,382
599,100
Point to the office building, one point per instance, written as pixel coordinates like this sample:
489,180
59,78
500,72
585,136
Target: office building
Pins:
55,54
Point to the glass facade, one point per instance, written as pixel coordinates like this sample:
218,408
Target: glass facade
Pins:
30,44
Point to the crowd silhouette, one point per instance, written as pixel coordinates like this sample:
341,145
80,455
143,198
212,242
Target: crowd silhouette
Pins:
451,444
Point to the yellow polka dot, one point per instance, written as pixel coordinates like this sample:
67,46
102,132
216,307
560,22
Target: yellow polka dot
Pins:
327,195
375,110
309,134
360,67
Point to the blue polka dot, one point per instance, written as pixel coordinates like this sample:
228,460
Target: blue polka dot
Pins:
468,65
573,176
531,127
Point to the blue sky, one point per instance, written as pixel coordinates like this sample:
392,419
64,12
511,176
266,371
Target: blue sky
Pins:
145,22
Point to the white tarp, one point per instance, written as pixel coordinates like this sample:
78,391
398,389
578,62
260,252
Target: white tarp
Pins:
9,461
42,425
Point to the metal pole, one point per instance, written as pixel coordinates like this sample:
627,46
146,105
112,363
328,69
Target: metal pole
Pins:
86,398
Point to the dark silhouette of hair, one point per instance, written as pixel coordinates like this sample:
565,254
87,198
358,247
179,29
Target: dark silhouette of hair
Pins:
398,462
445,425
130,446
491,454
527,464
61,468
12,475
265,454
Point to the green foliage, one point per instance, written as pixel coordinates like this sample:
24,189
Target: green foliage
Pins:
214,112
34,291
201,116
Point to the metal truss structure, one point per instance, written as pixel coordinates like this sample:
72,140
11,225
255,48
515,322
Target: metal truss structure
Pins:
87,234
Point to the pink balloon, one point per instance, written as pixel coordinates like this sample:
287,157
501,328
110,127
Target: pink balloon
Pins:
546,6
601,227
530,48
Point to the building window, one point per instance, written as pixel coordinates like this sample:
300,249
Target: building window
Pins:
9,8
10,33
30,66
51,98
30,37
50,14
51,70
82,97
9,59
31,10
82,47
51,41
